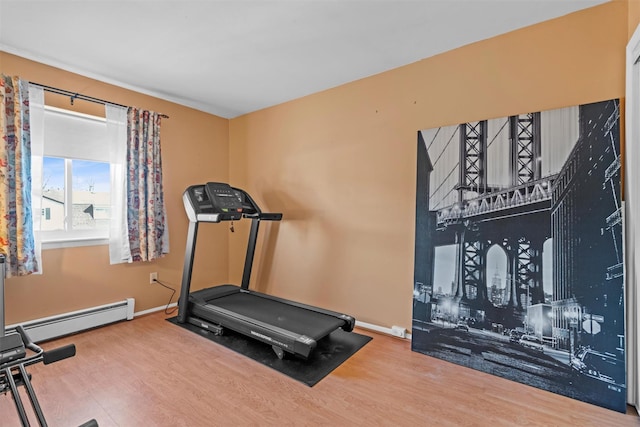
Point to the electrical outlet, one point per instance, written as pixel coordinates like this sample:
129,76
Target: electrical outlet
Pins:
153,277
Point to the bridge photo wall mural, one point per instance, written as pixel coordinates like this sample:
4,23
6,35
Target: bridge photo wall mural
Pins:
519,250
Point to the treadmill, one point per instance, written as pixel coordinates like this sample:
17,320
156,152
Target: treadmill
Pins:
289,327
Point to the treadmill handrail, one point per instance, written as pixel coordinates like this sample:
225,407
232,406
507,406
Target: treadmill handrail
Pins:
272,216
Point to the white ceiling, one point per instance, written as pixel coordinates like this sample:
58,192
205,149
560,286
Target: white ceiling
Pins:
233,57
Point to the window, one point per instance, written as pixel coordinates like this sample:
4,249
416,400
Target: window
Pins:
75,178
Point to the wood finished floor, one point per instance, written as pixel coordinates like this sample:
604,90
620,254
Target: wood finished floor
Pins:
148,372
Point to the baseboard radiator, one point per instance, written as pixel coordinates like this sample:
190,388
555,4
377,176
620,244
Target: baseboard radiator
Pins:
48,328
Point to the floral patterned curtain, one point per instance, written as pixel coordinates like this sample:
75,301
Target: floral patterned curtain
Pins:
146,215
16,222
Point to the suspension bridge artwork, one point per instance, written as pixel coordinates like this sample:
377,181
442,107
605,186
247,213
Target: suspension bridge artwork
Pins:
519,260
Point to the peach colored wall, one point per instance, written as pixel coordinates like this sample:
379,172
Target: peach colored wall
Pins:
634,15
194,150
341,164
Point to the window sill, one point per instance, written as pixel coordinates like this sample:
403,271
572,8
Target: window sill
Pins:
72,243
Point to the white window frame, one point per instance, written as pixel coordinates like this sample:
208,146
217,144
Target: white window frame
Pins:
53,239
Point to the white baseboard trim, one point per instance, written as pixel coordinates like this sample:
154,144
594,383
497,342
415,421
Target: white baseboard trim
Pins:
393,331
155,309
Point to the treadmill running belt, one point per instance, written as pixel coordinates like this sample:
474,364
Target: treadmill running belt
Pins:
285,316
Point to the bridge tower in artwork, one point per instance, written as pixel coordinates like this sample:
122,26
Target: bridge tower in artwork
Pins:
515,216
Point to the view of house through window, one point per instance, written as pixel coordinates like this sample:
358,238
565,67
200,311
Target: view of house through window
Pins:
86,205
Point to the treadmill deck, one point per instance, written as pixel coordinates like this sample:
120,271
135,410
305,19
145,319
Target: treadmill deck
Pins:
283,315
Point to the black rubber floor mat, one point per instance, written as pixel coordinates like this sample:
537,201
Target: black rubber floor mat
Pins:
330,352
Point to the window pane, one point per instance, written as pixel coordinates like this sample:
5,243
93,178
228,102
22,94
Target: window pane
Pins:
90,195
53,194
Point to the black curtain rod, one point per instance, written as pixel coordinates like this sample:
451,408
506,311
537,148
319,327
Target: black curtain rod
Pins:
74,95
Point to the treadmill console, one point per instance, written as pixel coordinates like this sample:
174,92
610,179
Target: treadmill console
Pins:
216,201
224,199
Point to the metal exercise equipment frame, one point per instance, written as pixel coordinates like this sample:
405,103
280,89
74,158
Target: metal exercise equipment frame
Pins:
288,326
17,351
